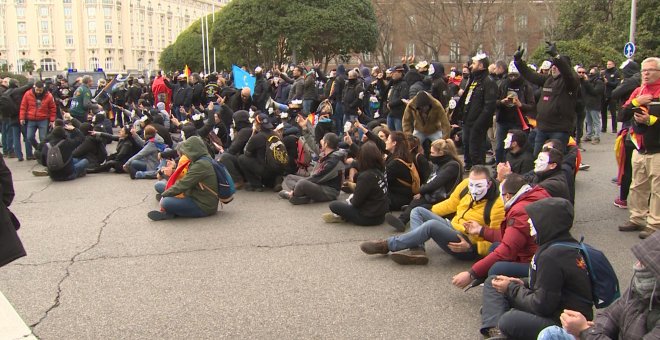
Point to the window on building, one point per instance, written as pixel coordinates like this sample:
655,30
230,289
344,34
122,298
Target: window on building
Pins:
43,11
107,12
48,64
454,52
92,40
66,1
20,12
69,40
478,22
67,12
91,11
68,26
93,63
108,26
499,23
22,41
45,40
140,64
108,63
91,26
152,64
43,24
19,65
70,65
22,27
108,40
522,21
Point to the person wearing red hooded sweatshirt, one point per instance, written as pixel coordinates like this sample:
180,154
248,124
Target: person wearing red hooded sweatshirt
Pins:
643,109
513,246
162,93
38,110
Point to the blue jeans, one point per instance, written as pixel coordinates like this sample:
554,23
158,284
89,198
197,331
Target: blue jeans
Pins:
433,227
79,168
593,123
500,136
32,127
423,137
7,138
394,124
184,207
160,186
555,332
542,136
13,131
338,118
307,106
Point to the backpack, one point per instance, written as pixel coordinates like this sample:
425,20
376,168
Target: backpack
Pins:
604,283
54,159
226,188
487,208
304,158
416,182
277,157
8,108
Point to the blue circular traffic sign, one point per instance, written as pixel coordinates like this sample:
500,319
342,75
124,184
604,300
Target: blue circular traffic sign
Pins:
629,50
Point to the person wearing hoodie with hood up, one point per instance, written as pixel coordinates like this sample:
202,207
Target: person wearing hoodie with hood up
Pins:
163,113
198,186
242,131
635,315
145,163
92,148
558,279
439,88
426,119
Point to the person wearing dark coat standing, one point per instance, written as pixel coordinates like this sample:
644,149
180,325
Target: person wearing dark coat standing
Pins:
11,247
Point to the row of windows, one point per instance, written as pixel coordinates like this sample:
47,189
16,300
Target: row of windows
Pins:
50,64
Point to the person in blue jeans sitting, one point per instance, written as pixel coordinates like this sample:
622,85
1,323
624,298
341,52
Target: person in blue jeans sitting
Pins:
194,195
145,163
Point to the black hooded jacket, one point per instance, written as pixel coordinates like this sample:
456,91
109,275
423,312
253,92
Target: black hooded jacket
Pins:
479,100
558,277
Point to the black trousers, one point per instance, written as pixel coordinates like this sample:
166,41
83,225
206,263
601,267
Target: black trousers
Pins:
352,214
255,173
474,145
422,202
610,105
626,178
231,163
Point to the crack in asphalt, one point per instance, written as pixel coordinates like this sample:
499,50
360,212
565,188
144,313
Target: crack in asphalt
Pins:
74,259
29,198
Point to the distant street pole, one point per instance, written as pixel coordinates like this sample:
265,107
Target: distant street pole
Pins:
214,66
208,52
203,45
633,20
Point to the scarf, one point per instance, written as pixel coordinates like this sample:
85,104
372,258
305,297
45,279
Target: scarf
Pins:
644,282
524,189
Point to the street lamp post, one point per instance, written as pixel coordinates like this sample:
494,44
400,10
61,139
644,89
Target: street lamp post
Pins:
633,20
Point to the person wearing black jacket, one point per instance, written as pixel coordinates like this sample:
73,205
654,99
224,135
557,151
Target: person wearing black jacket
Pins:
556,116
197,99
397,97
126,148
73,167
517,100
369,202
351,98
92,148
325,180
181,96
592,92
478,106
447,173
439,88
558,279
241,100
611,78
11,247
133,92
242,133
518,157
261,90
253,160
11,127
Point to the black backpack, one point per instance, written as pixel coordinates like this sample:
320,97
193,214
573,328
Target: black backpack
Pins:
54,159
8,107
277,157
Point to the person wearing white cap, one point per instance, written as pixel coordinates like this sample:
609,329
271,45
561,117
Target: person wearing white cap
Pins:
261,90
556,116
478,104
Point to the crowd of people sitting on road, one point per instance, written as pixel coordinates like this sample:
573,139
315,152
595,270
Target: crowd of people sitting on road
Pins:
390,139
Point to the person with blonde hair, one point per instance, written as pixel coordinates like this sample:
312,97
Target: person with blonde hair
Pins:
446,174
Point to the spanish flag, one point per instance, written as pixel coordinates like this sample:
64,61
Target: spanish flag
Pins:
186,71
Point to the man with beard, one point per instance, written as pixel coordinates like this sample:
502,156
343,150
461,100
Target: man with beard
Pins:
38,110
478,106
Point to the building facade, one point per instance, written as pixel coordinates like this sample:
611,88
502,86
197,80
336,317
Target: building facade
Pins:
118,36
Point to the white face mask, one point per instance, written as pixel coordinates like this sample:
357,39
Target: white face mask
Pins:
502,192
541,162
507,141
478,188
532,230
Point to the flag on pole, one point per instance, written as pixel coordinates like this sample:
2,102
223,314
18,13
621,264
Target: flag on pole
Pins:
243,79
186,71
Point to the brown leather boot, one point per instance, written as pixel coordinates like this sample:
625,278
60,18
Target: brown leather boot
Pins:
648,231
374,247
629,226
413,256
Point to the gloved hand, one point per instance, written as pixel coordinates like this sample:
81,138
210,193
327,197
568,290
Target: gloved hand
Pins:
517,56
551,49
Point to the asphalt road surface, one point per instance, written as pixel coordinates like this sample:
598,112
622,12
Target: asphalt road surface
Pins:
98,268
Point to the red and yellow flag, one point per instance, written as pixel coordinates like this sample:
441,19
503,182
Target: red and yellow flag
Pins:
186,71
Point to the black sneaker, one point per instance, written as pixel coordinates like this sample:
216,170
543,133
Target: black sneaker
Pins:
395,222
156,215
158,197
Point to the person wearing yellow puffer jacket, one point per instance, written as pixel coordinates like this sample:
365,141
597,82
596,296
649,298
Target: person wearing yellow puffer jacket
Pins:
481,203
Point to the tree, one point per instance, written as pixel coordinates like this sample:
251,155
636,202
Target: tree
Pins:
29,66
186,50
608,21
581,52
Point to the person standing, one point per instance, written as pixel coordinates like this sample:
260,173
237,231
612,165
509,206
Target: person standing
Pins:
38,111
611,78
11,247
592,92
82,100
